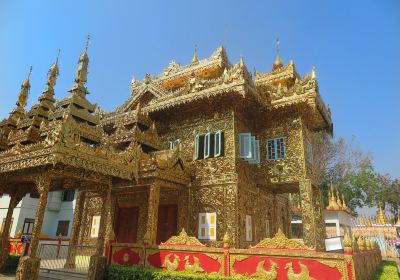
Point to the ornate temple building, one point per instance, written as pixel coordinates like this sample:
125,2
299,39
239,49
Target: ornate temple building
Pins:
206,147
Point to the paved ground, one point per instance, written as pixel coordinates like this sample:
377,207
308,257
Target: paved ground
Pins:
6,277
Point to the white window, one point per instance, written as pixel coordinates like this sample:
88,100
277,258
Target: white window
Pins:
218,144
245,145
198,154
173,144
276,148
309,152
207,226
208,145
256,151
94,231
249,228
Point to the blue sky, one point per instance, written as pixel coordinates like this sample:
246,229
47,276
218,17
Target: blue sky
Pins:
354,45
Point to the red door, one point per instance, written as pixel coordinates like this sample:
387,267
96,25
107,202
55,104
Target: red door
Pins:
126,226
167,222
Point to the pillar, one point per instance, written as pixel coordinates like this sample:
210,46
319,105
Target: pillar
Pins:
152,214
76,225
15,198
311,216
28,267
98,261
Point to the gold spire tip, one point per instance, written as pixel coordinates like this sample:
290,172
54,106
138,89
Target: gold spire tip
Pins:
195,58
29,73
87,42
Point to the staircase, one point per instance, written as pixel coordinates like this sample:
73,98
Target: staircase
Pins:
50,274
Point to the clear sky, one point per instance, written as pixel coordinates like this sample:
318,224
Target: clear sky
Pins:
354,45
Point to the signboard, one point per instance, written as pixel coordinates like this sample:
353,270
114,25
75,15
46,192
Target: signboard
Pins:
26,238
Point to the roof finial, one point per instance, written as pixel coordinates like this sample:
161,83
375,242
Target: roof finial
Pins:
195,59
23,94
82,72
278,61
87,42
53,73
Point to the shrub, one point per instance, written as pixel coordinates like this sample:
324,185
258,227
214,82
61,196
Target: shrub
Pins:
11,264
116,272
387,270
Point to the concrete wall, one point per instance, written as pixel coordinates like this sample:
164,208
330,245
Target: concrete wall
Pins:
56,211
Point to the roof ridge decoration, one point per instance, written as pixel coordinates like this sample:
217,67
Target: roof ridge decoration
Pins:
183,239
280,241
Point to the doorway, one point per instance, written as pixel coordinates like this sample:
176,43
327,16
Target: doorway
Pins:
127,224
167,222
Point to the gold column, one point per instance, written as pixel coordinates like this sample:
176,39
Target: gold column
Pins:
311,216
28,267
15,198
152,214
78,212
84,221
98,261
42,184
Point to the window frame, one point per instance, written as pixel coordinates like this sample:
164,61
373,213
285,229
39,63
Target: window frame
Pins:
218,138
63,222
173,144
31,224
275,148
95,226
245,139
209,226
249,228
68,195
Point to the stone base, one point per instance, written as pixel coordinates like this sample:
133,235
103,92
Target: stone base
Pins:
97,267
28,268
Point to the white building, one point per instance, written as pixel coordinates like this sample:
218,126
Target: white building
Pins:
57,219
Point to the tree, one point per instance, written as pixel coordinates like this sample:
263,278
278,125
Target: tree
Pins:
346,168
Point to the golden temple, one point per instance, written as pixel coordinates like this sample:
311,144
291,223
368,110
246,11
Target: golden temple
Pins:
204,146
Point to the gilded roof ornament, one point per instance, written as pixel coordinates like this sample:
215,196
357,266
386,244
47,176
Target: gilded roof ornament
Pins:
24,92
82,72
183,239
53,73
195,59
280,241
278,62
381,217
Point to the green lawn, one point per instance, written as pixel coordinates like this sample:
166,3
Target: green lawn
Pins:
387,270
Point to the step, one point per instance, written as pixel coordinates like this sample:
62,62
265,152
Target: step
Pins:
47,274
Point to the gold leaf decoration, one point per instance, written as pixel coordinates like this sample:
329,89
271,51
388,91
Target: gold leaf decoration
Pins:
183,239
280,241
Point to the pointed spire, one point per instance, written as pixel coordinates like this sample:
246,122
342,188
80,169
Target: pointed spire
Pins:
344,203
278,62
82,72
381,218
195,58
24,92
52,75
313,73
338,201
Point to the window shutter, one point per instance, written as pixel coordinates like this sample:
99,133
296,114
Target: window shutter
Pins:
207,226
245,145
249,228
219,144
196,147
280,148
207,145
256,153
271,149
